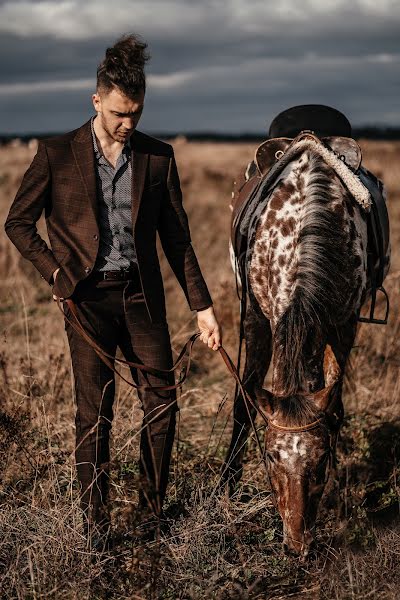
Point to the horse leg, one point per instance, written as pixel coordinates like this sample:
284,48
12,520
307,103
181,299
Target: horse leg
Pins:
258,337
341,341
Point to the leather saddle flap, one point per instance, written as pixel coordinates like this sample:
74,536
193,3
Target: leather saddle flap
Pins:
378,224
240,202
347,149
270,151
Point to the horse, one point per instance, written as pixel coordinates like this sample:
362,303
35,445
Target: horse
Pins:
306,279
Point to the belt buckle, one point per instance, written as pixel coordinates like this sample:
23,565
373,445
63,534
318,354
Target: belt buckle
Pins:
108,276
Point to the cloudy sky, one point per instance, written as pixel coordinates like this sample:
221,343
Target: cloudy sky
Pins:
217,65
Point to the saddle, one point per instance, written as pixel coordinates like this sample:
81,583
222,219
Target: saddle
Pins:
263,168
272,150
266,157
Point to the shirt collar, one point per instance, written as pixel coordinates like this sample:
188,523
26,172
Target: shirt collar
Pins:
126,149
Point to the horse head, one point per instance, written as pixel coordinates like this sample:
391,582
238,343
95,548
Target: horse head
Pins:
300,443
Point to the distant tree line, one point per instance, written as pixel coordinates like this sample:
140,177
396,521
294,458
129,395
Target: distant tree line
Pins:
367,132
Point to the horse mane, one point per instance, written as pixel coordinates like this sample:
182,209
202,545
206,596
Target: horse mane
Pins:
296,410
321,283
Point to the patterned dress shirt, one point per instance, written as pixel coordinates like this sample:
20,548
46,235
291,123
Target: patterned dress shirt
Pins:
114,200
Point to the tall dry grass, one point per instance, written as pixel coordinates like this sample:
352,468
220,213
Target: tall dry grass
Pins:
215,547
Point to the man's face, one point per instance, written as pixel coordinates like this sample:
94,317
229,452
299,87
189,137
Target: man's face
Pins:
118,114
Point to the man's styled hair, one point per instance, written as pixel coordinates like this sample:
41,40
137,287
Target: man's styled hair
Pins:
123,67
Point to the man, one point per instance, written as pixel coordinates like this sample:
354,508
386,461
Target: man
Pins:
106,190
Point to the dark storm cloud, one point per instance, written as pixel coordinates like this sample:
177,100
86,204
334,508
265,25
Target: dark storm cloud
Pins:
44,58
348,84
228,66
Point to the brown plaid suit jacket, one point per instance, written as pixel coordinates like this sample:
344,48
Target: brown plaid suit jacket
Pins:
62,181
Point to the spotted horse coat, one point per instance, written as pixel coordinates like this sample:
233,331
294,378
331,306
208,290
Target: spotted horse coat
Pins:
307,279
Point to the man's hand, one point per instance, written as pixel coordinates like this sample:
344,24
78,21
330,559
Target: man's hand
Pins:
209,328
54,279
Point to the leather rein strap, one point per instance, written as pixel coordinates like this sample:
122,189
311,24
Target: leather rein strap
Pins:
108,359
186,351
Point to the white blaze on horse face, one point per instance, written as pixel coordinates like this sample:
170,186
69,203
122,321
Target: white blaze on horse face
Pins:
295,463
278,252
291,451
299,447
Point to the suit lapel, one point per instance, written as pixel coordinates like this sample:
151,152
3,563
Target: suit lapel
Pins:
140,159
82,148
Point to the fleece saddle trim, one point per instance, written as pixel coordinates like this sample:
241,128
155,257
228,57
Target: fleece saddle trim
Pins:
271,150
309,142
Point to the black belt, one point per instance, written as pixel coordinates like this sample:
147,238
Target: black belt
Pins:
120,275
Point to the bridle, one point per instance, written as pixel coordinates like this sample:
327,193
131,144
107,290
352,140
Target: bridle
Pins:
325,421
186,353
313,424
297,428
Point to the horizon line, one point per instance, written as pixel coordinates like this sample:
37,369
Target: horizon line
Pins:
358,131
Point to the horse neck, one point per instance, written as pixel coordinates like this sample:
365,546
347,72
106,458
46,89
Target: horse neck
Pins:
302,270
299,340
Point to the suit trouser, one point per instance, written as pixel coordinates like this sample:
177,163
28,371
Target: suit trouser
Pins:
114,314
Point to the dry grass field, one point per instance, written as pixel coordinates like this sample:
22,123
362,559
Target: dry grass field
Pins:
216,547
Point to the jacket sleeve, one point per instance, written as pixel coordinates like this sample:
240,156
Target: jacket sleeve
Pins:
173,228
32,198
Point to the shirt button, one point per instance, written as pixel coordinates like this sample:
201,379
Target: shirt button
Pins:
87,269
95,237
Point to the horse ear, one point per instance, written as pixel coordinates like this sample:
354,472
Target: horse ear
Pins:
323,398
265,400
331,366
332,375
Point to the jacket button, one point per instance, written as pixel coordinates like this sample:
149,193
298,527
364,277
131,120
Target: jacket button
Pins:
87,269
95,237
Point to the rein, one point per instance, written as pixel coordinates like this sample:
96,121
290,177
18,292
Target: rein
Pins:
187,350
108,358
